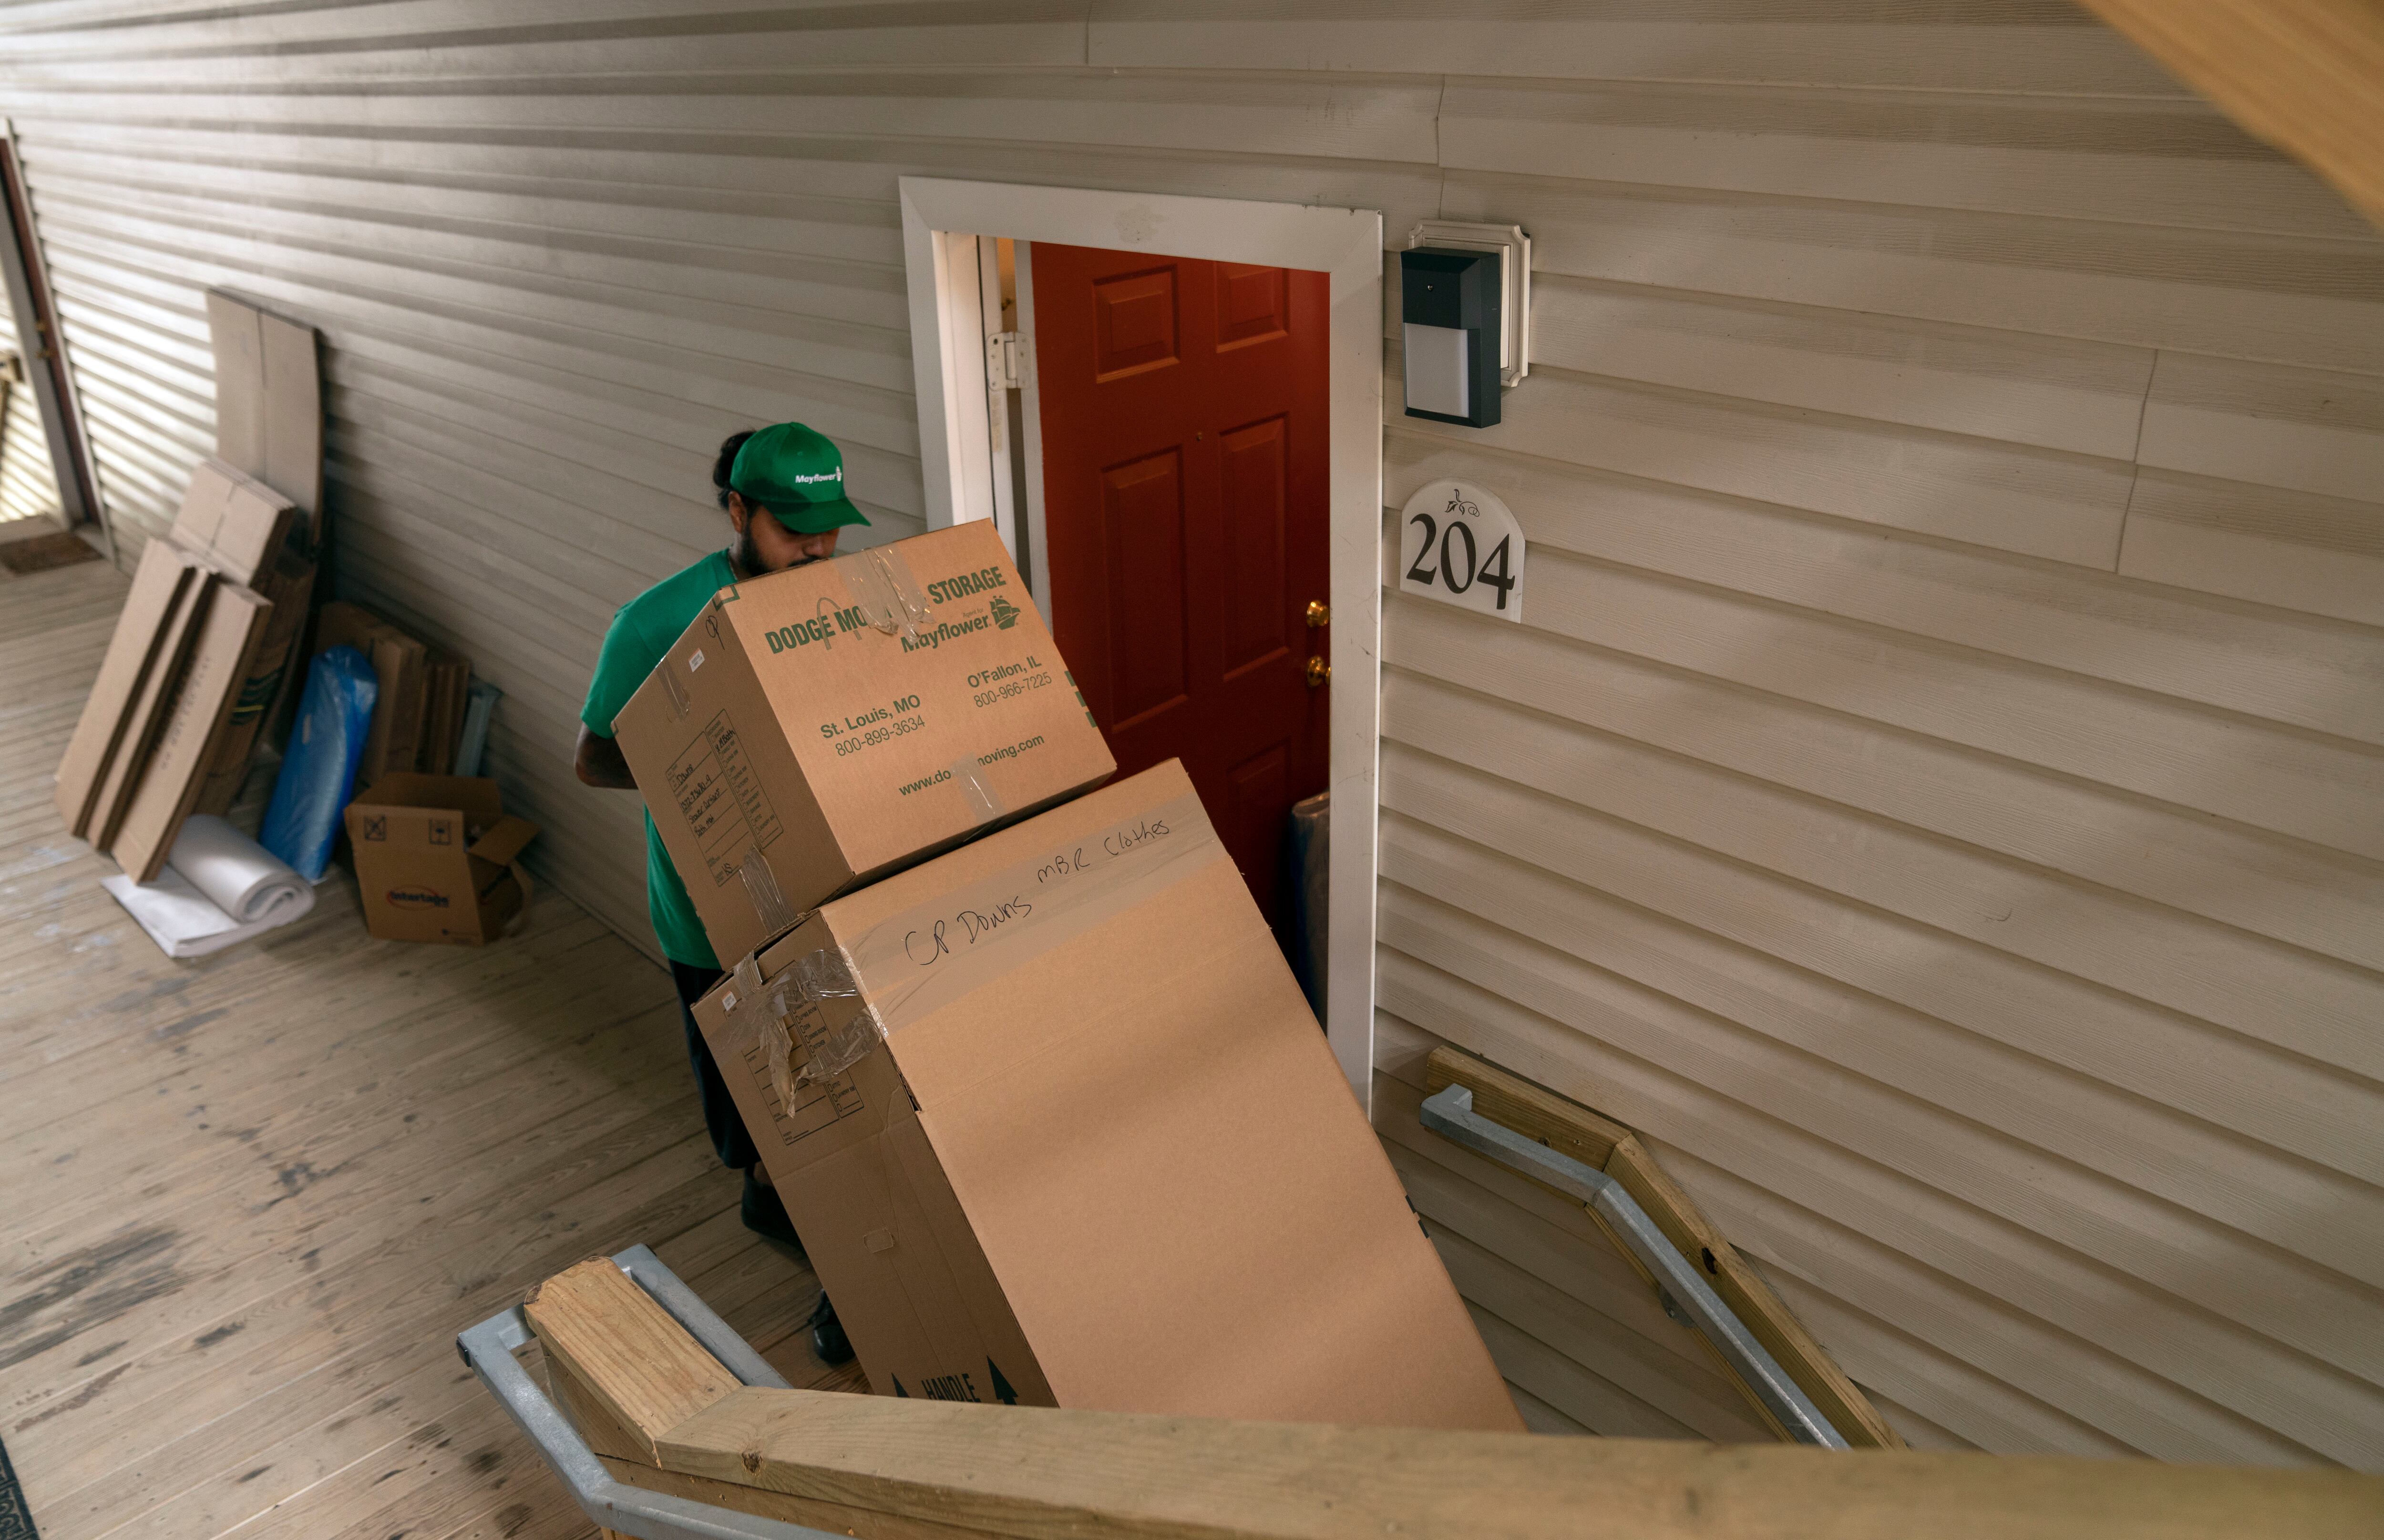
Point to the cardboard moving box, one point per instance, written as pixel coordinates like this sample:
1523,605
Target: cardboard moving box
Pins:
818,728
1057,1127
438,858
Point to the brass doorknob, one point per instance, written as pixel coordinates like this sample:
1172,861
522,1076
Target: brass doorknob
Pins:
1319,614
1319,671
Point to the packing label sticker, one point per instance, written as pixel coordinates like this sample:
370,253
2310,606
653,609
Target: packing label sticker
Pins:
916,962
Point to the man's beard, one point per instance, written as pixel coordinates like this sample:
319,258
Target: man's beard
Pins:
746,556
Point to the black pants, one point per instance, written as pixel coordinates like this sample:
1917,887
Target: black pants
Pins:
720,1116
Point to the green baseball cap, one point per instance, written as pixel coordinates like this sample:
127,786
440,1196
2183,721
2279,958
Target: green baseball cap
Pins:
798,475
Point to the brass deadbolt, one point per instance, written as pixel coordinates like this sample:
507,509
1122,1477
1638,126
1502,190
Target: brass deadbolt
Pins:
1319,614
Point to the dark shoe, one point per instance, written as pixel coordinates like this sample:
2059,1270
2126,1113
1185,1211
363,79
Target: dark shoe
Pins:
764,1213
827,1333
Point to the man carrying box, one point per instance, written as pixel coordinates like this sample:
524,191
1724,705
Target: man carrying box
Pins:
783,487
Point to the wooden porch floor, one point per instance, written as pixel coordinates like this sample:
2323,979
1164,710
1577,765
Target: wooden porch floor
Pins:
246,1202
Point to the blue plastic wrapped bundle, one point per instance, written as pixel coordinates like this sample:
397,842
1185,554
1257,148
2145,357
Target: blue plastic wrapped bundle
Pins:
320,773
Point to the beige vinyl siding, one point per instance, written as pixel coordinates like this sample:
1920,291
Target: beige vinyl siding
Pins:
1935,795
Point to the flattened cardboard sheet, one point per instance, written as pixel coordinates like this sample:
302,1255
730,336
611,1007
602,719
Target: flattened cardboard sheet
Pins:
268,399
146,717
142,644
239,525
199,718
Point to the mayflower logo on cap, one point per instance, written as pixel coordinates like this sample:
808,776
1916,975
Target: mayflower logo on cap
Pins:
796,474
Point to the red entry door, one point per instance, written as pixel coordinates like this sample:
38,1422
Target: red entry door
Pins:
1184,483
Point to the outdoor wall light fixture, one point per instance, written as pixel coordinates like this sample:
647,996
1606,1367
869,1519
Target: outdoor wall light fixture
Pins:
1464,297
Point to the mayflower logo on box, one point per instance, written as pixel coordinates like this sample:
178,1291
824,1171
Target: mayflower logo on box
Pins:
943,631
1005,613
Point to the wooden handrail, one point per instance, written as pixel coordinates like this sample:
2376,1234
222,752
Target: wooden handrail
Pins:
915,1470
2307,76
1597,1141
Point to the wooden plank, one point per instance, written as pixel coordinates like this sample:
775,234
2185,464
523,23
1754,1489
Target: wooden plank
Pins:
817,1512
1528,1108
1570,1128
2306,76
646,1373
1114,1475
1881,1357
584,1405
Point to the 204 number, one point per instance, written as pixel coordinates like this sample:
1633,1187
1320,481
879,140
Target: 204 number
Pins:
1492,571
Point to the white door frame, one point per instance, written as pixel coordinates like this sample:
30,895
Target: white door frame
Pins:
948,359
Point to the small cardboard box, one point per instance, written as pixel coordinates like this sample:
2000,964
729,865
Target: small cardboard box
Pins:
818,728
438,858
1057,1129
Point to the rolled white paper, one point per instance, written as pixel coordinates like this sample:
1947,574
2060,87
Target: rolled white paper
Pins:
249,883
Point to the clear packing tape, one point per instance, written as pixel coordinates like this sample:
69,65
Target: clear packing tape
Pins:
885,593
814,1002
763,891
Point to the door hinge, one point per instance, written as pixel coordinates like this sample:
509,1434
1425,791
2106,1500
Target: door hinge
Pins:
1005,363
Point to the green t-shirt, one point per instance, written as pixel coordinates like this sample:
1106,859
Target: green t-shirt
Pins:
641,633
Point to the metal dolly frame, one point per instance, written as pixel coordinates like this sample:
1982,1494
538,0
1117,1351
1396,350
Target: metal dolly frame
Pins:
488,1349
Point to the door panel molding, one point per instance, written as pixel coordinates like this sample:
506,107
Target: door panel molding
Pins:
1346,244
